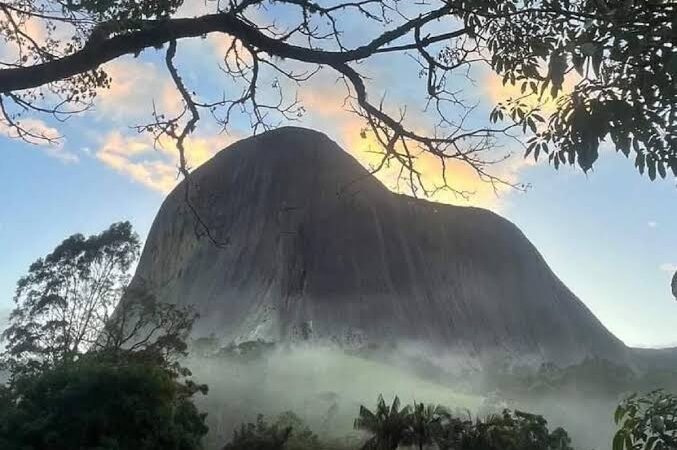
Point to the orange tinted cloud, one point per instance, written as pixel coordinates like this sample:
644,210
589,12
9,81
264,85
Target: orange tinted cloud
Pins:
459,175
326,112
497,92
155,167
135,85
9,49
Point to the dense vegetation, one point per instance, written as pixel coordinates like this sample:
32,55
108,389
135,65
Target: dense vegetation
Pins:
420,426
89,368
95,404
92,366
648,422
592,377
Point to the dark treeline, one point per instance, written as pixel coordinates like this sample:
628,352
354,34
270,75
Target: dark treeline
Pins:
419,426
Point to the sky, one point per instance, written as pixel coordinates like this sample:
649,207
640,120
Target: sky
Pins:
610,234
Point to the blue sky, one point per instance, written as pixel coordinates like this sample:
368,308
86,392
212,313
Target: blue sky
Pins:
610,235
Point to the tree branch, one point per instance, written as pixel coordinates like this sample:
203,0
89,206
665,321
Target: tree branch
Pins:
156,33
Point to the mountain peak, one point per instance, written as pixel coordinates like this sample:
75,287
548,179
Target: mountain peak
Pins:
318,248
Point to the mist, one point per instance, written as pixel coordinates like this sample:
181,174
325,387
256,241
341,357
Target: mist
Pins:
325,386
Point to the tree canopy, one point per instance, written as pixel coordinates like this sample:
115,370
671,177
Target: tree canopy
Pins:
95,404
421,426
73,302
648,421
387,425
287,432
91,364
66,298
620,54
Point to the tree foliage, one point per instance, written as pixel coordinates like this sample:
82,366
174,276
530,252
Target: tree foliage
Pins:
287,432
98,405
67,297
511,430
647,422
619,54
387,425
76,301
143,325
92,364
621,50
260,436
423,426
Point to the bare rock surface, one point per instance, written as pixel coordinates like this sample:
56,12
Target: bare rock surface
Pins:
318,249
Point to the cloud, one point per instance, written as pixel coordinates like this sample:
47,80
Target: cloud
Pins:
41,32
135,87
668,267
652,224
324,102
31,26
54,149
323,98
155,166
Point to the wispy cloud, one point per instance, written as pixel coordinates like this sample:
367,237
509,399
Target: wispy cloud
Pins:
10,49
55,148
135,86
652,224
155,166
668,267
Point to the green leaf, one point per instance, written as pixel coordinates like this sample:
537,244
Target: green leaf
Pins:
618,414
651,166
530,148
618,441
531,124
623,143
597,60
578,62
553,90
673,166
635,144
640,162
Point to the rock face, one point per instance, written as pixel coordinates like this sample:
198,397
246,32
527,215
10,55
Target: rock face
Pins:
316,248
